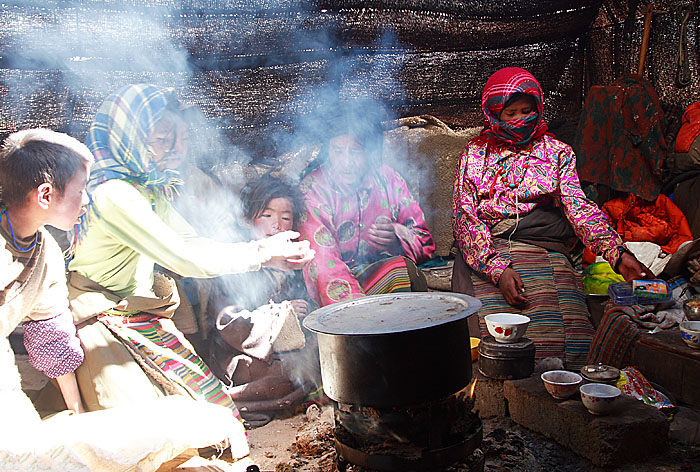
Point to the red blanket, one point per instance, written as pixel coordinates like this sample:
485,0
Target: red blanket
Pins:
690,129
660,222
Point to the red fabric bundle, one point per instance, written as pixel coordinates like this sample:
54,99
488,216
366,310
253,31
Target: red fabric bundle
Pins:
660,222
690,128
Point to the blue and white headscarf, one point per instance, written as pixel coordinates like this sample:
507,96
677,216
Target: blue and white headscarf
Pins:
119,133
118,138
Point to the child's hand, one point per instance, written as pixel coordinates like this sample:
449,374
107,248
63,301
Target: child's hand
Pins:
301,307
383,237
280,252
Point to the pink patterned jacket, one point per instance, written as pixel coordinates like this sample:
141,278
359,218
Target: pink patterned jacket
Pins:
490,188
337,221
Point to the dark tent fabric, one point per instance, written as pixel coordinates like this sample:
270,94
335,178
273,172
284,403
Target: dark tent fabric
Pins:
254,67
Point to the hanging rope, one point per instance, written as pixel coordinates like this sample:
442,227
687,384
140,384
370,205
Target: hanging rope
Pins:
682,67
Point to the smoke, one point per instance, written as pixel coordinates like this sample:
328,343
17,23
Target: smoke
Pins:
233,65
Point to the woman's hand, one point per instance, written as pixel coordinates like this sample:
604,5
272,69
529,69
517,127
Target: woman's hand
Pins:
512,287
301,307
280,252
631,269
383,237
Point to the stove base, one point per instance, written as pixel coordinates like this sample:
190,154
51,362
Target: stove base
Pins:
433,460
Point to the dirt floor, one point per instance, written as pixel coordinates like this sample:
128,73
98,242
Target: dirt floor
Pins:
303,443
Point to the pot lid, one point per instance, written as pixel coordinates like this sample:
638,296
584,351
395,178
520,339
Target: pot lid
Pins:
600,373
391,313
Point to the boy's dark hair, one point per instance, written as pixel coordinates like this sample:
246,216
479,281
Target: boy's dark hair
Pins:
29,158
257,195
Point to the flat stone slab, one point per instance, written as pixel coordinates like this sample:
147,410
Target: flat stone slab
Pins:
633,432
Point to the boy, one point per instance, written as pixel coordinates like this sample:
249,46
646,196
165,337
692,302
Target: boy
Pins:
42,182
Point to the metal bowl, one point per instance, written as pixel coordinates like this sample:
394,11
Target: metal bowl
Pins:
691,308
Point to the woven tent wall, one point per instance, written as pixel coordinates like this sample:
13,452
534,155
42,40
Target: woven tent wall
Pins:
256,69
253,69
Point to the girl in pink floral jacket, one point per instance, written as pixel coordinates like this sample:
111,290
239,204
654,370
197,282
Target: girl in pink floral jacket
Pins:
368,232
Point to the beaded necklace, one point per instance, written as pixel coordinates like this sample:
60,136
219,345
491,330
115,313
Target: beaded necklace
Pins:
504,170
14,241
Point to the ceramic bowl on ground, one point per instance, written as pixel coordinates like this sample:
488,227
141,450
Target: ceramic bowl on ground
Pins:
561,384
691,308
506,327
599,398
690,332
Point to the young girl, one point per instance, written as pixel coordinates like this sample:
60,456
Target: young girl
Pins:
517,207
262,377
368,231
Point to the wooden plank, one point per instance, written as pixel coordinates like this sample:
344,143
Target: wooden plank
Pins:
665,359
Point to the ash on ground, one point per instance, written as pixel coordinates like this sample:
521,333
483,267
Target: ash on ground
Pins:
506,447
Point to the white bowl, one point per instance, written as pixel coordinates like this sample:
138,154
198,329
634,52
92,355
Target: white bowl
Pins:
506,327
561,384
599,398
690,332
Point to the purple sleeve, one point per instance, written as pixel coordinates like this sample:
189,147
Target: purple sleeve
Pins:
473,235
328,277
52,345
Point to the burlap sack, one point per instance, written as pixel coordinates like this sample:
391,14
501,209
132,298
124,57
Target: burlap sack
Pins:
425,151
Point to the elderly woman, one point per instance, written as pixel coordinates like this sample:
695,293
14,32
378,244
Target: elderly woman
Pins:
367,230
132,349
518,208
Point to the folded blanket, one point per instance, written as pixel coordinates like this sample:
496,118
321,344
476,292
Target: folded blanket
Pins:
260,333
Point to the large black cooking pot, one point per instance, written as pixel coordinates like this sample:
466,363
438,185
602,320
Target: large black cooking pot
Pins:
396,349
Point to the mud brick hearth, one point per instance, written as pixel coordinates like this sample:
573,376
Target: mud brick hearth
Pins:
635,432
488,396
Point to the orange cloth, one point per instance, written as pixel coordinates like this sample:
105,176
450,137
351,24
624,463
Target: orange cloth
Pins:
660,222
690,128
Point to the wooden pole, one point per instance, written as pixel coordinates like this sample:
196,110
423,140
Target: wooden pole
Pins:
645,40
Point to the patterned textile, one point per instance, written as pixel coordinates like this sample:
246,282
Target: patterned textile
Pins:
498,89
52,345
620,138
546,170
337,222
559,321
615,336
157,340
385,276
117,137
